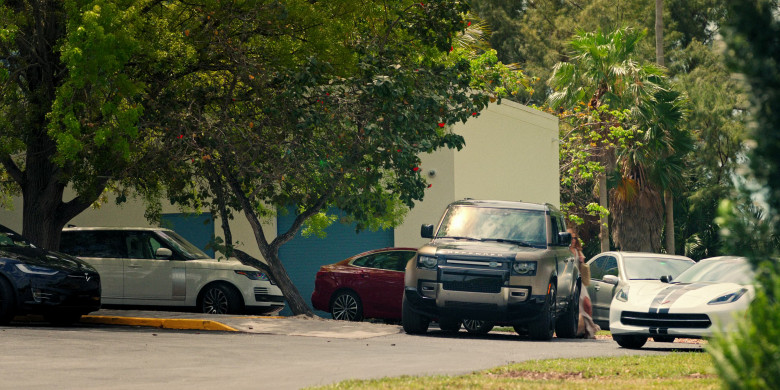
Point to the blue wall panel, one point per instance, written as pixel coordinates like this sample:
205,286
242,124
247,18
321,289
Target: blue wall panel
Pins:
195,228
303,256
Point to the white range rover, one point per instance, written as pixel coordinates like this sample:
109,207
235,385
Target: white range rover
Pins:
157,267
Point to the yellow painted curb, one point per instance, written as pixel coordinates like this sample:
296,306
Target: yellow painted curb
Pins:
165,323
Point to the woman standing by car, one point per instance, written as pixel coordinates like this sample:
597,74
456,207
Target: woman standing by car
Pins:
586,327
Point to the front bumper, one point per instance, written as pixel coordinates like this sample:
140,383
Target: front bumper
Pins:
500,307
71,293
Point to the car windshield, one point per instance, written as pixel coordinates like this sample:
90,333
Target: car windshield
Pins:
9,238
654,267
484,223
187,249
734,270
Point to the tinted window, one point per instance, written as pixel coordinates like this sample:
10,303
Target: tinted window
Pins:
604,265
93,244
394,261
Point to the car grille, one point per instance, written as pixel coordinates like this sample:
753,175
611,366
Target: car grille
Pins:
665,320
483,285
472,280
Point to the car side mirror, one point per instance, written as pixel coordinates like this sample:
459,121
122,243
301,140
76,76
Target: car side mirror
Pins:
611,279
426,231
564,238
666,278
163,253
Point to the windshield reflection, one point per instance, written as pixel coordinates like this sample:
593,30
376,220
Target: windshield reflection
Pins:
483,223
654,268
719,271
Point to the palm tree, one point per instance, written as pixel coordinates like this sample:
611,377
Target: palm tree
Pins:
603,71
654,163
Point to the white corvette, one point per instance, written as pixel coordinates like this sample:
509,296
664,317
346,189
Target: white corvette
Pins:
706,297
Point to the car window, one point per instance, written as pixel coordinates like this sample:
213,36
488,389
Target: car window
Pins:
485,223
604,265
611,267
106,244
141,245
364,261
718,271
647,267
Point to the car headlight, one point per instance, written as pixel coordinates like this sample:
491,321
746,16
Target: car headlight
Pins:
524,268
728,298
622,294
426,262
36,270
253,275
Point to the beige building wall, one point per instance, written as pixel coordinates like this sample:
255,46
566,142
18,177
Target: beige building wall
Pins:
511,153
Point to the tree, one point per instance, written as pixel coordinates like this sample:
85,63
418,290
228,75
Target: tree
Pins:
603,72
745,359
68,108
341,130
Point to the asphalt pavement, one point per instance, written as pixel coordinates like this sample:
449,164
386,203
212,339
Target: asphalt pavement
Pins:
275,325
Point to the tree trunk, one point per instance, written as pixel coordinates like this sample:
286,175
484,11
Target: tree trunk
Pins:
44,213
637,219
659,59
604,221
279,275
659,32
669,230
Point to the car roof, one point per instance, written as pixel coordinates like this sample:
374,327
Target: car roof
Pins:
504,204
114,228
647,254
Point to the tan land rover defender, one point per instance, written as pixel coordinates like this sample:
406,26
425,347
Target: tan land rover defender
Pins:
494,262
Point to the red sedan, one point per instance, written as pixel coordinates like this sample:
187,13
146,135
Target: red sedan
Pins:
368,285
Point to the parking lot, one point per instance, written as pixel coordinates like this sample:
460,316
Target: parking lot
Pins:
261,353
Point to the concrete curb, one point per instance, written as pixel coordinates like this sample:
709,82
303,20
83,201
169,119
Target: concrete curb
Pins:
164,323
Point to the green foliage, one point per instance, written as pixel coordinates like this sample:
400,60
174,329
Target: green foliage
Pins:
748,358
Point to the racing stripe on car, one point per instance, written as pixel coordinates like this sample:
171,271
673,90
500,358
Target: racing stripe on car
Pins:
656,304
677,294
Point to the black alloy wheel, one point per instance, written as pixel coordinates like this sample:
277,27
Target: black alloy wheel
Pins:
347,306
220,299
567,323
543,327
478,326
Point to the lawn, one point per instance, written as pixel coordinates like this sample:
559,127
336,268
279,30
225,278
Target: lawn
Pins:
682,370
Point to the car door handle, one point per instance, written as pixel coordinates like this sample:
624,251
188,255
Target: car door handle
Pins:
596,287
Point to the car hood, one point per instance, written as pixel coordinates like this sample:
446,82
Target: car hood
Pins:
41,257
650,294
230,263
477,248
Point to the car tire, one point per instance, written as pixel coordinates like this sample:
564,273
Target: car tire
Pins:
630,341
478,326
663,339
449,324
543,327
63,318
412,322
346,306
7,302
219,299
566,325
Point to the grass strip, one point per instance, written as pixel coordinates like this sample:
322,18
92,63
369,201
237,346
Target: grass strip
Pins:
689,370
